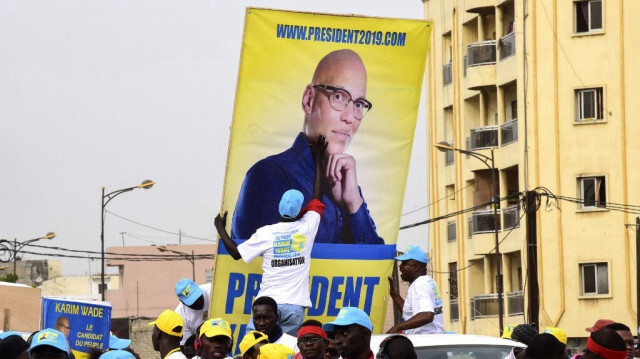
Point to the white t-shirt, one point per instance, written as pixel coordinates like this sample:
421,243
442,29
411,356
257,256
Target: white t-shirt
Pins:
193,318
288,340
285,248
424,296
176,355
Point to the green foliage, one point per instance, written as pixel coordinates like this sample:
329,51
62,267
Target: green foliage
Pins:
10,277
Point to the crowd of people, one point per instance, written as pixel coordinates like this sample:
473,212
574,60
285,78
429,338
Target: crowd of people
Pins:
607,340
334,104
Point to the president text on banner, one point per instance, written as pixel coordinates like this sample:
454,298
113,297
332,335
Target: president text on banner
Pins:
288,69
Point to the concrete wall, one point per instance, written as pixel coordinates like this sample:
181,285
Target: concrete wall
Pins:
146,287
140,332
19,307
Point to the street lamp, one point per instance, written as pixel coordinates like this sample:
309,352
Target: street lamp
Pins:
191,258
106,198
490,163
17,246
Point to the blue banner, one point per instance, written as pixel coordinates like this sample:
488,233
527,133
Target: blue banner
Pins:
85,324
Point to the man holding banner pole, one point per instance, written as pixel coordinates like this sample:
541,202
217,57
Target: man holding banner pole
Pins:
334,104
286,249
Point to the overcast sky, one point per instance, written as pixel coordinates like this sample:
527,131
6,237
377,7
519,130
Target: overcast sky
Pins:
110,93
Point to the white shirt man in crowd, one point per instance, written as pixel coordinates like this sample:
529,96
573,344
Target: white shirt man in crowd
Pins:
194,305
422,310
285,248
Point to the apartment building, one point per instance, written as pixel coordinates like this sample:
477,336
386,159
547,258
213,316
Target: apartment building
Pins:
547,88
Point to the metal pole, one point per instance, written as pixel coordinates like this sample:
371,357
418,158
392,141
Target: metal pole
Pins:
15,256
637,271
498,257
193,265
533,309
102,286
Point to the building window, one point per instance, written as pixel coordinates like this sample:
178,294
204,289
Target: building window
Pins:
595,278
451,231
454,314
593,192
588,15
590,104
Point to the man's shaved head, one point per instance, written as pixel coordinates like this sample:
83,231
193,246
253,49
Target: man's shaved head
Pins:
342,69
326,69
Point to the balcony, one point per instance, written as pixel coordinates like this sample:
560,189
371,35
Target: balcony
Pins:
515,302
485,7
481,53
509,132
483,306
481,65
511,217
451,230
483,137
507,45
483,221
454,314
447,74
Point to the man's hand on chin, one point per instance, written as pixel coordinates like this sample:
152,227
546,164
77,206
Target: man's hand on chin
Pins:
341,177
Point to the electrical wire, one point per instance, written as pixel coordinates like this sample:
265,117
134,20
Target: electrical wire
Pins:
148,258
129,255
453,214
158,229
516,225
443,198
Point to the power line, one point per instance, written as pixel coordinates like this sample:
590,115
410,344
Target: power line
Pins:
453,214
129,255
432,203
491,251
147,258
158,229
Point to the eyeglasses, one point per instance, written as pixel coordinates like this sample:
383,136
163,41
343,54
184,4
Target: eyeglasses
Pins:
309,340
340,98
332,351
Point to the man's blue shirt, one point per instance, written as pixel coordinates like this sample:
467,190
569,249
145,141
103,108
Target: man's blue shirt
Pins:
294,168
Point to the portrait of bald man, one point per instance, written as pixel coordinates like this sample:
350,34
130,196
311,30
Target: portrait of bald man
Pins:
334,104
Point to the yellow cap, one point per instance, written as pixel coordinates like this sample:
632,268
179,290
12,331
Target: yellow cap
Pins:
275,351
506,333
558,333
214,327
170,322
250,339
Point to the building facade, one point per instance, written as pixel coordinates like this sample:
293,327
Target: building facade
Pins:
546,86
146,287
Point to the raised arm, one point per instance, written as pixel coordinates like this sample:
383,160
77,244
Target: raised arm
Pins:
231,246
318,150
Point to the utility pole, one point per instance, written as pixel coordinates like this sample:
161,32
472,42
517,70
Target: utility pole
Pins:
137,300
637,228
533,292
122,234
637,271
180,236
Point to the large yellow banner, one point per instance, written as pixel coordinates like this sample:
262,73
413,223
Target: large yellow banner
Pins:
356,80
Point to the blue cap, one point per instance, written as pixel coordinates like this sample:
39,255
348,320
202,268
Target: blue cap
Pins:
188,291
415,253
8,333
117,354
291,203
50,337
118,343
348,316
